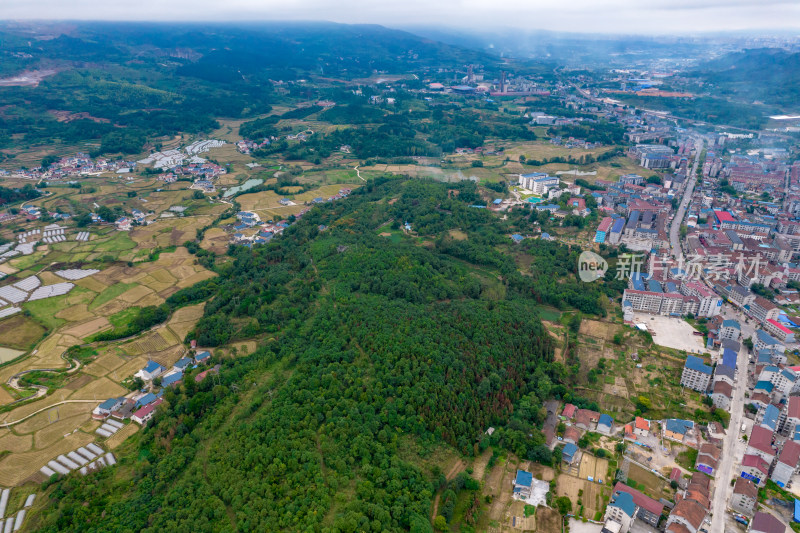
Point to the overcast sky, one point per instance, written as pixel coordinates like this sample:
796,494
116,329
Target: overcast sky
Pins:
592,16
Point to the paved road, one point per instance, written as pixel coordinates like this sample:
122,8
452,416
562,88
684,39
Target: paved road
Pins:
674,231
722,488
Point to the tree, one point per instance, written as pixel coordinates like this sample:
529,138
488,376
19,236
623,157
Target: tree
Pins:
643,403
48,160
477,163
440,524
106,213
575,322
564,505
198,195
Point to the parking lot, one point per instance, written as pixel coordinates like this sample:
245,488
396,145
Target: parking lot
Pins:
672,332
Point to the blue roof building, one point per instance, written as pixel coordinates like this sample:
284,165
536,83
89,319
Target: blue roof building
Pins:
524,479
765,386
172,379
796,511
202,356
770,420
146,399
624,502
672,288
676,425
152,366
695,363
111,404
764,356
604,423
182,363
569,451
729,357
654,286
517,237
765,338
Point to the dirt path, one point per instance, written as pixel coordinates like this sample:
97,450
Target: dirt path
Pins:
358,173
479,466
7,424
458,467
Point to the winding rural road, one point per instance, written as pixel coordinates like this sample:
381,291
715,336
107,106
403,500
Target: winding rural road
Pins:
358,173
8,424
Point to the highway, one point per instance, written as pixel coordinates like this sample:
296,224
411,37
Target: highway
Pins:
691,179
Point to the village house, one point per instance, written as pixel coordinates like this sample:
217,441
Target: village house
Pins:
150,371
766,523
619,514
569,453
790,426
523,484
604,424
722,394
689,514
586,419
571,434
102,411
787,463
730,330
745,496
677,430
641,426
146,413
760,443
707,458
755,469
649,510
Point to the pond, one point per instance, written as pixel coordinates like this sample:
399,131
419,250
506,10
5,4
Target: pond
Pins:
249,184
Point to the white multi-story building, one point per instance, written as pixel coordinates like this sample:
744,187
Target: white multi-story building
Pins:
710,302
696,374
538,182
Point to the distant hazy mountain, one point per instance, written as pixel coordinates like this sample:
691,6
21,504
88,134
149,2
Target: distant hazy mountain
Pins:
573,49
220,50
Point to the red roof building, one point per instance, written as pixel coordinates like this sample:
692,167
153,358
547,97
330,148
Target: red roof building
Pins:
645,502
724,216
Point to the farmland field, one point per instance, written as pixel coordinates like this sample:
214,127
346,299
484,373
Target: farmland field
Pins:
594,495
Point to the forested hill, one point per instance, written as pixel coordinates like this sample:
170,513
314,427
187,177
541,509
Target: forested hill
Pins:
134,83
766,74
369,348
